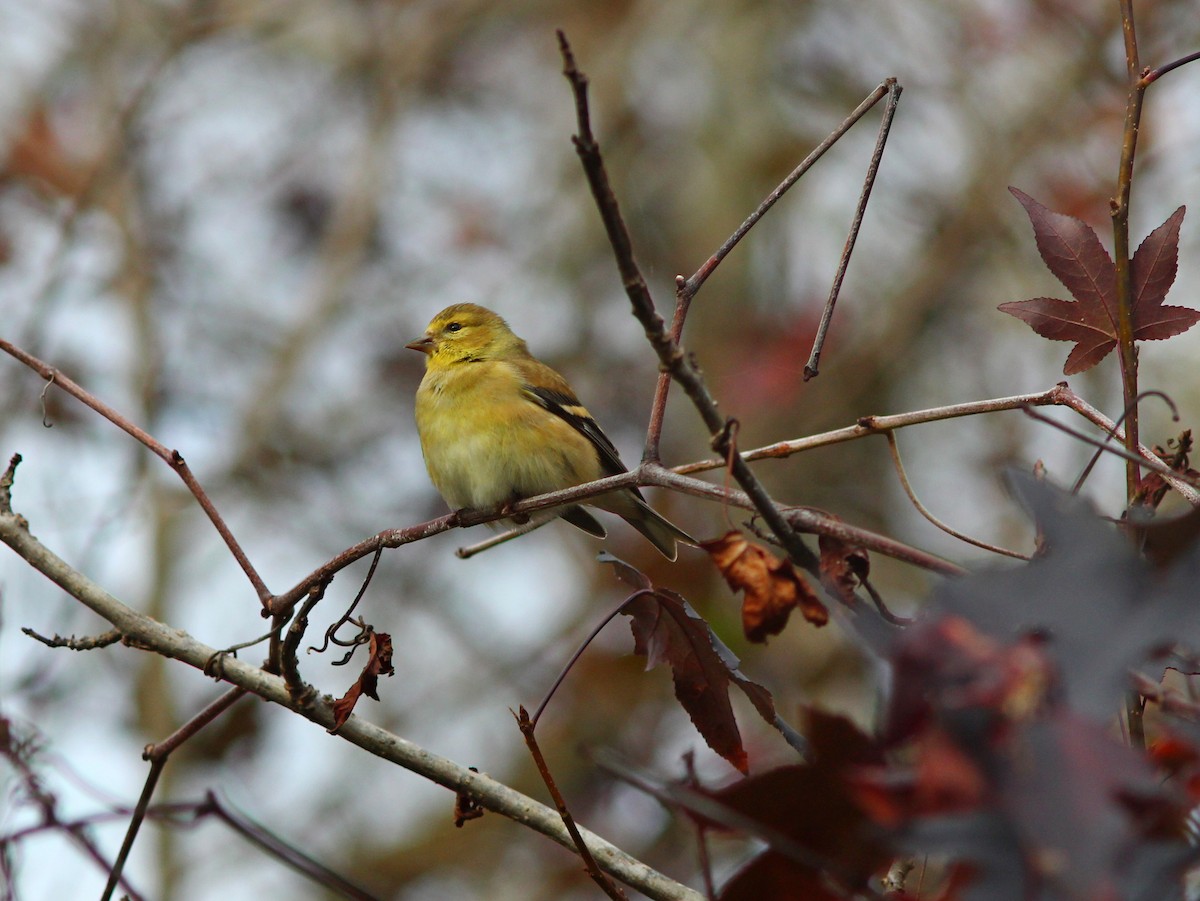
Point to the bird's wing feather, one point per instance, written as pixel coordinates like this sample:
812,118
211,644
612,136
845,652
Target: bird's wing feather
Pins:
555,396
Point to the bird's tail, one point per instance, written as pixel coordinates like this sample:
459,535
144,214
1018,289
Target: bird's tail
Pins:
633,508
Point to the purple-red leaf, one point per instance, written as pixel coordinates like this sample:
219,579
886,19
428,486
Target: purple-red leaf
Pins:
1156,262
667,630
1154,267
1073,252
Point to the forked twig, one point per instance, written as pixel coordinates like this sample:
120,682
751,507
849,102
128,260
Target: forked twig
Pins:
157,754
686,288
670,353
885,128
692,285
1176,480
1112,433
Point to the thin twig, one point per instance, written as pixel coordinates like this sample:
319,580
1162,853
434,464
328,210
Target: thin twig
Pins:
157,754
1154,75
877,599
466,553
1126,349
658,408
232,650
924,511
135,824
1149,459
710,889
289,663
885,128
874,425
579,651
692,285
1095,458
1149,462
1060,395
293,857
88,643
163,748
527,727
331,632
6,484
172,457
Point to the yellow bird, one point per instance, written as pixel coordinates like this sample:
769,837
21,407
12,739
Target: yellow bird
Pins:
497,425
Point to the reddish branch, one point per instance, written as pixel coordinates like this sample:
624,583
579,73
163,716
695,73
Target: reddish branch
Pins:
172,457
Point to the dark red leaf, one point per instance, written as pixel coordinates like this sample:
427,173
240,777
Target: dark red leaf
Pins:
813,807
1156,262
1066,320
1165,540
1154,267
843,566
1073,252
667,630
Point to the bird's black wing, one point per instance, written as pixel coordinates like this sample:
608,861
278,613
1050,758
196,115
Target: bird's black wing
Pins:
566,406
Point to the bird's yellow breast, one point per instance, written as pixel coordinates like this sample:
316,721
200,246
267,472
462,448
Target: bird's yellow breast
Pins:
486,442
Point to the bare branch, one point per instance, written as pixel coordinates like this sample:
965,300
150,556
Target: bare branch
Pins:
885,127
670,352
495,796
135,825
87,643
172,457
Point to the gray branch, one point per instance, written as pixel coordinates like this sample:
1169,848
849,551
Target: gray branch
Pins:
146,632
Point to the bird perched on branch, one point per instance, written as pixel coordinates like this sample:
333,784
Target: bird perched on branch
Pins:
497,425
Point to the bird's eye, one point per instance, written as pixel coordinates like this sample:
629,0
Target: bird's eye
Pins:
454,327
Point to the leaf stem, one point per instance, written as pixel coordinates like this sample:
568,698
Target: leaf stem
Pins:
1126,349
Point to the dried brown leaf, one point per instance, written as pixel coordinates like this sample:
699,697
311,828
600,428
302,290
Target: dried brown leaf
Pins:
379,663
772,587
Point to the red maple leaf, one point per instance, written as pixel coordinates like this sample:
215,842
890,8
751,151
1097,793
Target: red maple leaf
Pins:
1073,252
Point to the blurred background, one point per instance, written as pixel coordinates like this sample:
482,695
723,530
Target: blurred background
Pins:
225,219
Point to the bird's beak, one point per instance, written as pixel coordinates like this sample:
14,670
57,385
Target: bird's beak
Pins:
425,345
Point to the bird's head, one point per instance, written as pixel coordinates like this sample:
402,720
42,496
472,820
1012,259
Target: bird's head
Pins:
467,332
